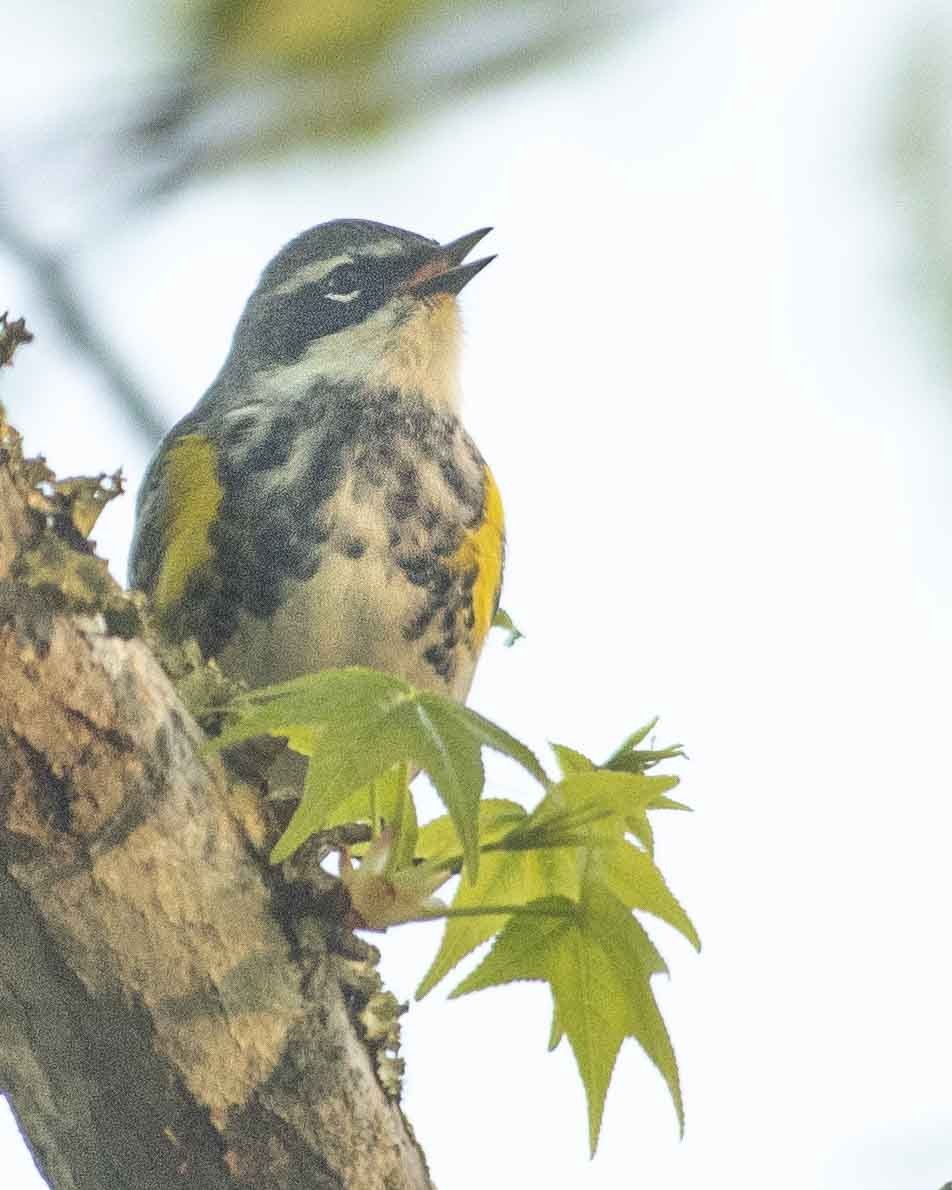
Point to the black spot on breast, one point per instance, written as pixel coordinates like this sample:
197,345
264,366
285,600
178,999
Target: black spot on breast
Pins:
439,659
446,542
273,449
354,547
239,429
271,532
420,622
401,503
323,472
418,568
405,473
306,565
453,476
320,531
440,582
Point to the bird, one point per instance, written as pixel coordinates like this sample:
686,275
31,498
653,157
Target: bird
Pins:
322,504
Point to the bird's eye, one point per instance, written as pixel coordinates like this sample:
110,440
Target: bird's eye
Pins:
343,284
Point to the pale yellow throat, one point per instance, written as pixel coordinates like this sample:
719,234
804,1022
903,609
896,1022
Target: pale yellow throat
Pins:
422,354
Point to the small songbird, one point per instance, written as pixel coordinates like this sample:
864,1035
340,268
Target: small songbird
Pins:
322,504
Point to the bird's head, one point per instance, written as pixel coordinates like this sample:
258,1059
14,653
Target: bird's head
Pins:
358,303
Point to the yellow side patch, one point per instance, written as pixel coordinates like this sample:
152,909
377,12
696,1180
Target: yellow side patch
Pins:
193,495
483,548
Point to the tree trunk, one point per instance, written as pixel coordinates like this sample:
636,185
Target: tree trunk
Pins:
163,1022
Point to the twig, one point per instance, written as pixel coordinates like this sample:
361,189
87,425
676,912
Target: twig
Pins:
47,271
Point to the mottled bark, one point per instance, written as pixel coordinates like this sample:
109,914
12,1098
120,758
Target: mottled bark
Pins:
161,1023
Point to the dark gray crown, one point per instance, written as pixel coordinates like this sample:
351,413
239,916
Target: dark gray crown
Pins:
332,239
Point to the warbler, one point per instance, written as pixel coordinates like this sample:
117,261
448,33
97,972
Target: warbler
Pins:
323,505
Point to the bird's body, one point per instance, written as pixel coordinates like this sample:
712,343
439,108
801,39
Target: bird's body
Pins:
323,505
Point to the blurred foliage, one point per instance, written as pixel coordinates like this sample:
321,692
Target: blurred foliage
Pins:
260,77
920,154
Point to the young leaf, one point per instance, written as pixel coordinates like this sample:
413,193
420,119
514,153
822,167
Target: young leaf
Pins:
385,803
488,734
382,896
668,803
628,759
622,793
369,722
570,761
595,959
402,815
503,620
556,1032
556,822
505,878
310,701
381,734
628,795
438,840
633,877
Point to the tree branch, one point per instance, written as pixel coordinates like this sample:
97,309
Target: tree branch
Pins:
162,1022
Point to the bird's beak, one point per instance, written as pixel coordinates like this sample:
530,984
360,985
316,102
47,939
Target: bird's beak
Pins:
444,271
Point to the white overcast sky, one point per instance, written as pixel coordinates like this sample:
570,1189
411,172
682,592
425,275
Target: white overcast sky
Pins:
700,373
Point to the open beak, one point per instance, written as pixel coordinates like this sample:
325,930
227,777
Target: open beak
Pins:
445,272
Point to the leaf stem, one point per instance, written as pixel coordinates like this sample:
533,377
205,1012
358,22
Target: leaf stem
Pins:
530,910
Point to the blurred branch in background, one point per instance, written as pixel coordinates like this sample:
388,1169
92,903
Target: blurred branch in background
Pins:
252,79
920,156
49,272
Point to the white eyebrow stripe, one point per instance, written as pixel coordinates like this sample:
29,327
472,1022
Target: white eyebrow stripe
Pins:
317,270
343,297
389,247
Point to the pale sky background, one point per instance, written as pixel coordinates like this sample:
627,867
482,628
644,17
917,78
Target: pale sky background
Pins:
701,372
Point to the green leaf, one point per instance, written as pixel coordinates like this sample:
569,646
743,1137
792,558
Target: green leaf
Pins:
667,803
505,878
490,735
556,822
439,840
556,1032
628,795
634,878
403,817
375,803
570,761
327,697
595,958
523,948
369,722
503,620
636,737
621,792
628,759
414,729
385,802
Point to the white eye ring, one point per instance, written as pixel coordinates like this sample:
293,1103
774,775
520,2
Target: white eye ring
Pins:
343,297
